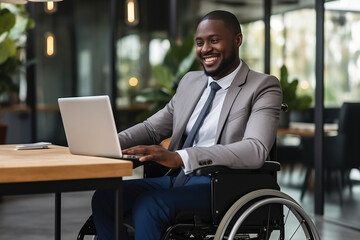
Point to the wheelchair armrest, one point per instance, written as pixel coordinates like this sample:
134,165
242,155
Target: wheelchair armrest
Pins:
268,166
151,169
228,185
137,163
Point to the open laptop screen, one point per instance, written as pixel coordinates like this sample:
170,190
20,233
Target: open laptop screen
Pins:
90,127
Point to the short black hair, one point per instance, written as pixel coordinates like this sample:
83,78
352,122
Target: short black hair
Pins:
229,19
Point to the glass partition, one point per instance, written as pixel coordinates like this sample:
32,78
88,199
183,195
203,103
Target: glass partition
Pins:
293,45
293,60
252,49
342,90
129,54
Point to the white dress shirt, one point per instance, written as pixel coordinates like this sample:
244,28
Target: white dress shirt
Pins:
207,131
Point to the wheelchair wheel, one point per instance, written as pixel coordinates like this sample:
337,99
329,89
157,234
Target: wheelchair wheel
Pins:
293,222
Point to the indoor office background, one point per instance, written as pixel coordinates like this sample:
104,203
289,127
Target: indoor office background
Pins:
97,51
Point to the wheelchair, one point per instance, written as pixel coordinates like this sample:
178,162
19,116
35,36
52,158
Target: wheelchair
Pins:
245,204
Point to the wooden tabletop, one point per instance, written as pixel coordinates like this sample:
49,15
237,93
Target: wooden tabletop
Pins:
56,163
306,129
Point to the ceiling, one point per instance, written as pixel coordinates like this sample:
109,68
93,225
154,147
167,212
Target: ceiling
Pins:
250,10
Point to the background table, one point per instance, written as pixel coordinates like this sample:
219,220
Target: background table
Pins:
56,170
306,129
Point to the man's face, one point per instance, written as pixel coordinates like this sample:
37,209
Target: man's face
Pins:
217,48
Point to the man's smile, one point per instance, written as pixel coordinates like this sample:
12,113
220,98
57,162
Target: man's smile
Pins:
210,60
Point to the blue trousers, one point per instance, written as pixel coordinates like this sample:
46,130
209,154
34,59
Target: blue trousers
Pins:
151,202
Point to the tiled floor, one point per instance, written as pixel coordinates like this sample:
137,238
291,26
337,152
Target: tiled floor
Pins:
31,217
333,210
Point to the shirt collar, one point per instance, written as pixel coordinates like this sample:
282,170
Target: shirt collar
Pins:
226,81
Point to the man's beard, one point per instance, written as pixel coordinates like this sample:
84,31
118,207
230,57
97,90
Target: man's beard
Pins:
224,66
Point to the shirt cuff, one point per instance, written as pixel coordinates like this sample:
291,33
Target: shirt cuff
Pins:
185,158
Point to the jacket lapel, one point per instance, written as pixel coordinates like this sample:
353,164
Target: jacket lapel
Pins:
193,96
187,107
233,92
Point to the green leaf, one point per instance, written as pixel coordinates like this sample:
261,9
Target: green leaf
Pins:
19,28
179,59
153,95
177,52
5,83
30,23
10,66
14,21
163,76
289,90
7,49
283,76
293,86
185,66
304,102
7,20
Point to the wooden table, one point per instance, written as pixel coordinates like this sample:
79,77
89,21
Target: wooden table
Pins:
55,170
306,129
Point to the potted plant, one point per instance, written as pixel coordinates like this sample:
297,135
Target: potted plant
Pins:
291,97
179,59
14,22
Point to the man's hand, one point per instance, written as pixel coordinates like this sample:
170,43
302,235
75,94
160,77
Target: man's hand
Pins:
157,154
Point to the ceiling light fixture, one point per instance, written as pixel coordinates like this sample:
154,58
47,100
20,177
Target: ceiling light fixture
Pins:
131,12
50,7
26,1
49,44
44,0
14,1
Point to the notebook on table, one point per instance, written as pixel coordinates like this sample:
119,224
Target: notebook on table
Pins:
90,127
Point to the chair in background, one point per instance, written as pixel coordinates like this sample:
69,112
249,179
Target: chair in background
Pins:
341,152
289,147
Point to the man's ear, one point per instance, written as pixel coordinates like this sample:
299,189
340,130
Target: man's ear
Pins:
238,39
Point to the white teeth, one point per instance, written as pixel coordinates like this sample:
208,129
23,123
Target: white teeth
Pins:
210,59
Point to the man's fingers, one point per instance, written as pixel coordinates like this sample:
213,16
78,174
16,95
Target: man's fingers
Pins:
136,150
146,158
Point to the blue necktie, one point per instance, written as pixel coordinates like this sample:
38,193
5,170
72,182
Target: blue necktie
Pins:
182,178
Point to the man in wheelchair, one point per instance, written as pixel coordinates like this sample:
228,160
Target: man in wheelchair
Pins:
226,115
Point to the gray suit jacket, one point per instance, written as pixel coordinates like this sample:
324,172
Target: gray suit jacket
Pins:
247,126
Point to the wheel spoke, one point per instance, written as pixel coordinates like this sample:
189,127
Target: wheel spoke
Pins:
287,215
285,221
268,222
297,229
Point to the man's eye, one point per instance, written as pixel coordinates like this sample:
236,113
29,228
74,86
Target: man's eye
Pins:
214,40
199,44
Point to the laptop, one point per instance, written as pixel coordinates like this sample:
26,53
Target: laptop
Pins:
90,127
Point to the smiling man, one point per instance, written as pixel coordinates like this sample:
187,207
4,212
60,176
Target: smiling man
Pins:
225,115
217,43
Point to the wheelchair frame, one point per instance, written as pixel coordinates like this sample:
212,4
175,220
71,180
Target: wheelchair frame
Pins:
239,212
236,213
